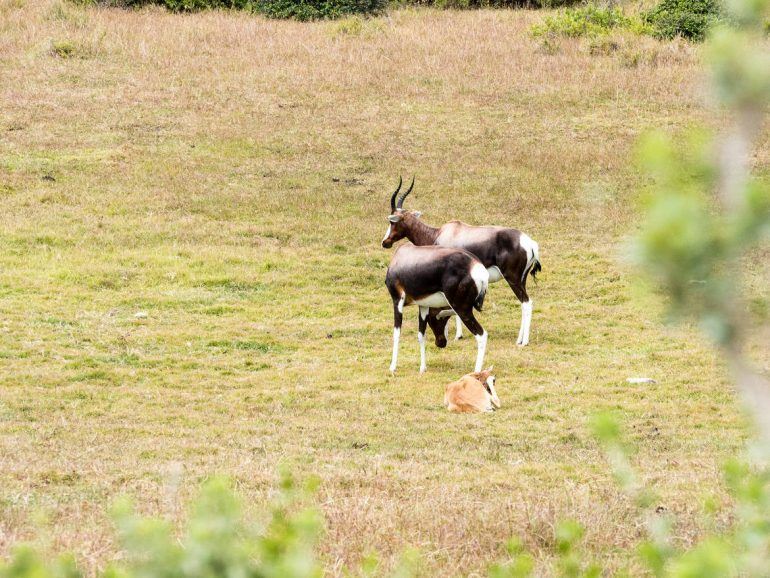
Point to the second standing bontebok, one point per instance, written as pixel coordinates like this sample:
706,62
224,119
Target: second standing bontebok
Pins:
506,253
436,278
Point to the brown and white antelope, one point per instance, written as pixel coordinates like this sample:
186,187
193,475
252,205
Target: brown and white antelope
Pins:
437,278
472,393
506,253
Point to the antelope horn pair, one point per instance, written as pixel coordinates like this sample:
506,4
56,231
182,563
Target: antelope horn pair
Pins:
398,204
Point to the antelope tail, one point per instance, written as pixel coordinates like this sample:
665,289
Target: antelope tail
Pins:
479,303
533,262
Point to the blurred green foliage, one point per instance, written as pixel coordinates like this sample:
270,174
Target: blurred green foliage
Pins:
217,542
692,241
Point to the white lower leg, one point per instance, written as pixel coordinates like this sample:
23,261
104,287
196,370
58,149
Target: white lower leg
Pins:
458,327
394,360
481,340
526,322
421,339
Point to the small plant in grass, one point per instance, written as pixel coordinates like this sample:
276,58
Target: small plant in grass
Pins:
63,48
357,26
590,20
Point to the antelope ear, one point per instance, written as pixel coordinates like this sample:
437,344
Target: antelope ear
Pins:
417,214
394,218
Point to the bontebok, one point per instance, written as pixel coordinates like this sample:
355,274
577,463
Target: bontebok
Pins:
434,278
506,253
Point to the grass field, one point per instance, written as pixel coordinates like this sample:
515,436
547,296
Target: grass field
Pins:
229,177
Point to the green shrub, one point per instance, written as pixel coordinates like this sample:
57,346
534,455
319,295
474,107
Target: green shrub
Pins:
470,4
294,9
318,9
686,18
589,20
195,5
313,8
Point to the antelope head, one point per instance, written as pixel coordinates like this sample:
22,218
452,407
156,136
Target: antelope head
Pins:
399,219
488,381
438,324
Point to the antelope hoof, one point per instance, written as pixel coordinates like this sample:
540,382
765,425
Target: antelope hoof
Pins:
458,337
423,370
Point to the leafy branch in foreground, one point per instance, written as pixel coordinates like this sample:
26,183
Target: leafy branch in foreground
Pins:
218,541
705,215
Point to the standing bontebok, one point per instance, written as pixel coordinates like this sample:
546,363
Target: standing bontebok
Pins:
436,277
506,253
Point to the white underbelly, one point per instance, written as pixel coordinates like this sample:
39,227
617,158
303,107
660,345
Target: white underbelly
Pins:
494,274
433,300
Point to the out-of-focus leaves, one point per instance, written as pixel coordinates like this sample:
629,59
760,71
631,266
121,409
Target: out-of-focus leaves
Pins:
748,13
520,564
740,68
686,243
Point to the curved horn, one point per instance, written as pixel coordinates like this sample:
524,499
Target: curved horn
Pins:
393,198
401,200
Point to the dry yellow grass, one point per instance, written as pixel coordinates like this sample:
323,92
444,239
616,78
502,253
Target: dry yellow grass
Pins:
229,176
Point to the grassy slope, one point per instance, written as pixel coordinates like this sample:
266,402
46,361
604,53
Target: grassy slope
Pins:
229,176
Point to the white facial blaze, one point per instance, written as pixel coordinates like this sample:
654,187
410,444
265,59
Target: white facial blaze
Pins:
388,233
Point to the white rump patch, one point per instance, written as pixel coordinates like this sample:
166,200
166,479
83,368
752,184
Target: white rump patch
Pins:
533,252
480,275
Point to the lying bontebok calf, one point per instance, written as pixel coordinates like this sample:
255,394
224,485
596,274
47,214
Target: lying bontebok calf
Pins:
472,393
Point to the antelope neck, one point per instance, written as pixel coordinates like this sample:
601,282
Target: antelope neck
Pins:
421,234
